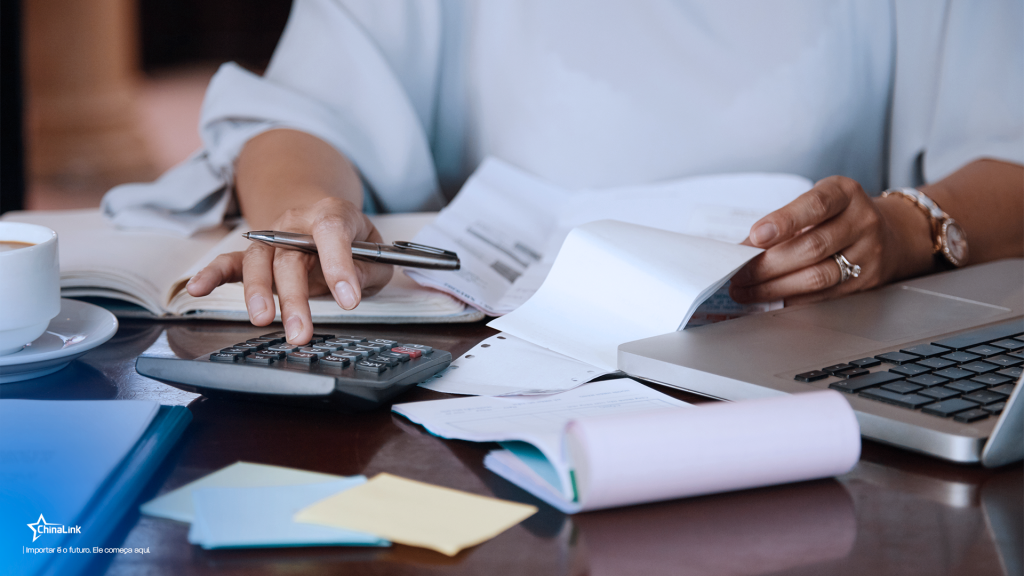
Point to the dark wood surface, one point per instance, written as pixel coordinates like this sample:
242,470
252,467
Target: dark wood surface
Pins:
895,513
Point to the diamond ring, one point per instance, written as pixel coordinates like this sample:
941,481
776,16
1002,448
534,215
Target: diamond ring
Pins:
846,268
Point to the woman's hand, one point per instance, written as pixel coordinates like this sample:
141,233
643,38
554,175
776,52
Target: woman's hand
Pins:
888,238
334,225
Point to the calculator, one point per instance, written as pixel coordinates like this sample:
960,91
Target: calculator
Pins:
344,371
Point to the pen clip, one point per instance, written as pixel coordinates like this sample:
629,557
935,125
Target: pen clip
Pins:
424,248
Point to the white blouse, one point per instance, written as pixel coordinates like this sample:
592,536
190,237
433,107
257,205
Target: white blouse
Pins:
594,93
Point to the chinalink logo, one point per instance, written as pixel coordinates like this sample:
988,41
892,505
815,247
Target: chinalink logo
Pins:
41,527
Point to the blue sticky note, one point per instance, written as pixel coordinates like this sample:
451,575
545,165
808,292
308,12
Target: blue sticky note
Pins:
262,517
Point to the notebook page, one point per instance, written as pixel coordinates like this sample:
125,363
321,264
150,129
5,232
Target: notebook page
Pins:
97,259
401,297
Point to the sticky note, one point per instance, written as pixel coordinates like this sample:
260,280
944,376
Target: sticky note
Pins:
417,514
177,504
262,516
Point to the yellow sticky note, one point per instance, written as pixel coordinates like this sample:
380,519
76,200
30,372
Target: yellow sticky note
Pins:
417,514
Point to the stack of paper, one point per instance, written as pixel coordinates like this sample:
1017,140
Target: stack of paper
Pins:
249,505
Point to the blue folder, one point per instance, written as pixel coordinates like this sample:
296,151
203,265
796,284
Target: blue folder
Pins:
40,457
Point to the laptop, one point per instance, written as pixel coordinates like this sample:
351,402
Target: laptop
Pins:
931,365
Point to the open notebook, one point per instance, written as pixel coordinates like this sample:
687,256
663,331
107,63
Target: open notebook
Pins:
149,269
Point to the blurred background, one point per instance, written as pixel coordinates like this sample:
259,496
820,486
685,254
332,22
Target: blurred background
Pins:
94,93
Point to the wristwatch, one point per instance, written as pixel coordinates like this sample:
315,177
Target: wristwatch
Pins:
949,241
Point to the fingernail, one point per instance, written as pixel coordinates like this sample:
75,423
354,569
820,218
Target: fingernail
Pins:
292,328
764,233
192,280
257,306
346,295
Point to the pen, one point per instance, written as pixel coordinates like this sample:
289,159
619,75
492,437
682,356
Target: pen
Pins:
401,253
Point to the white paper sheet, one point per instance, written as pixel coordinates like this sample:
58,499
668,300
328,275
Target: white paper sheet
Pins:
712,448
615,282
507,225
539,420
505,365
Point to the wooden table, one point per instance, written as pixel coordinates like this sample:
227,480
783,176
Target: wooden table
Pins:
895,513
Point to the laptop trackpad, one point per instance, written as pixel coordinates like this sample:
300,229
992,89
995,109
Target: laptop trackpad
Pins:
895,314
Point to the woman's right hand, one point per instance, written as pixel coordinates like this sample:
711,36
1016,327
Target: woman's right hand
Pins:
334,225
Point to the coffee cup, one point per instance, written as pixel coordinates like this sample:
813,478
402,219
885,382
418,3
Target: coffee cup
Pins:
29,283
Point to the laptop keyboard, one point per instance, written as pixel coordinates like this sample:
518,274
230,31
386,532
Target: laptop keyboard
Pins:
967,377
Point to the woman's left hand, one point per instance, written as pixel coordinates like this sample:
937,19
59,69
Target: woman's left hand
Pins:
888,238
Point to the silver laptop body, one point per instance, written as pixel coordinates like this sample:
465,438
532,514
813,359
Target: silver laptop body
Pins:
759,356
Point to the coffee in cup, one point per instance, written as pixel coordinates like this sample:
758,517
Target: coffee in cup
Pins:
29,283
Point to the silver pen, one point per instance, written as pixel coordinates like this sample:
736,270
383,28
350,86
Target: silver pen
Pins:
401,253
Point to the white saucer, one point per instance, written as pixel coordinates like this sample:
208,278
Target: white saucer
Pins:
78,328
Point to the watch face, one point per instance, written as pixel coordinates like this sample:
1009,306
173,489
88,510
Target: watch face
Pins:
954,243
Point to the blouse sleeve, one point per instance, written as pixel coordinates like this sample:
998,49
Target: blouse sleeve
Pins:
958,88
360,75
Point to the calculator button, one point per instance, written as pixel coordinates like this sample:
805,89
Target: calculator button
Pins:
926,350
421,347
259,358
1016,354
221,357
323,337
388,361
412,352
384,342
278,335
345,354
350,338
811,376
371,366
253,347
333,360
365,350
396,355
236,351
319,353
327,347
276,354
836,368
947,408
303,357
266,341
866,362
972,415
340,343
897,358
376,348
286,348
